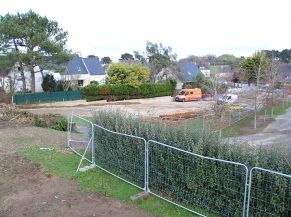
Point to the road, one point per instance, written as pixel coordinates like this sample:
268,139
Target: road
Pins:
278,131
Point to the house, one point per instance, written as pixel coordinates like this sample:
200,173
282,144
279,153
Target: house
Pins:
13,81
188,72
284,71
205,70
84,70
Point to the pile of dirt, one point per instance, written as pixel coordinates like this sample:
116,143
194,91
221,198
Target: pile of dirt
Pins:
181,116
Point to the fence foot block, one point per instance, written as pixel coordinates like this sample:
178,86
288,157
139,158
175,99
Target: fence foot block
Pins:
85,168
139,196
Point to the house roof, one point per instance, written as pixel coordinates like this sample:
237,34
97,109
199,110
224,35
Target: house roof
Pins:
284,68
90,65
188,71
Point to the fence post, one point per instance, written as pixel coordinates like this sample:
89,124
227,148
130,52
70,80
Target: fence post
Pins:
93,145
203,125
146,166
229,121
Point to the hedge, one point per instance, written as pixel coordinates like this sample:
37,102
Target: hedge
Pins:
120,92
212,186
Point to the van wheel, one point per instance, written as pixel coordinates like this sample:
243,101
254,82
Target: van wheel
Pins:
183,100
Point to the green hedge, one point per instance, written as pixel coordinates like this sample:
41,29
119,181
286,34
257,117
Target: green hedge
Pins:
120,92
208,185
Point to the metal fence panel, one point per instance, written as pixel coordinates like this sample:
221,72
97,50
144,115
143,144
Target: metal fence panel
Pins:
41,97
121,155
80,137
269,193
199,184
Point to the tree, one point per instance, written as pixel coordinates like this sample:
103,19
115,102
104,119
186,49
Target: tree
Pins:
159,58
49,83
285,55
34,41
127,57
133,75
106,60
6,65
254,69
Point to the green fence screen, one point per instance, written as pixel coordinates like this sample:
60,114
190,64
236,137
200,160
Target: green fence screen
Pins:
42,97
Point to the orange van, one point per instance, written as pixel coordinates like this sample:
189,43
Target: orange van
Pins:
188,95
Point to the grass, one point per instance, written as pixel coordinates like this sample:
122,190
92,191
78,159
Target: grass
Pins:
64,164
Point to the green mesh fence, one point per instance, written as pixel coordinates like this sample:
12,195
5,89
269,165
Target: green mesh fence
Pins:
42,97
199,184
122,155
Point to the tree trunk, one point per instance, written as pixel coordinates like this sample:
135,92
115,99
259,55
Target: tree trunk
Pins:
32,81
255,114
21,68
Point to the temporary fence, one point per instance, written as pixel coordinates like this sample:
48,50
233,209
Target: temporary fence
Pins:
81,138
199,184
121,155
269,193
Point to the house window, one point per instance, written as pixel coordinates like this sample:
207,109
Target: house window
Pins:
80,83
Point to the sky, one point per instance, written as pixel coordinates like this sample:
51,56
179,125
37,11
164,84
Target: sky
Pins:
190,27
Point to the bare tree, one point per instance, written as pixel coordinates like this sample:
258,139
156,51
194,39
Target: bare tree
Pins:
254,69
272,78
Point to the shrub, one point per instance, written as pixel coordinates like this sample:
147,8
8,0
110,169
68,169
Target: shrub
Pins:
133,75
94,82
49,83
56,122
124,91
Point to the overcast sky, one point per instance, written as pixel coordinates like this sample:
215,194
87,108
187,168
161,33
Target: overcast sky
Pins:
190,27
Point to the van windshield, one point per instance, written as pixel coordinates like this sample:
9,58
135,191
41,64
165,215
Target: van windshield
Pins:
182,93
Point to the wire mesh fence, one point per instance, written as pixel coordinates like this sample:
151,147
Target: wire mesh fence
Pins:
196,182
199,184
80,137
121,155
269,193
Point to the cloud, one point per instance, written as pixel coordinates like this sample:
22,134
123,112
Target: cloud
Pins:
113,27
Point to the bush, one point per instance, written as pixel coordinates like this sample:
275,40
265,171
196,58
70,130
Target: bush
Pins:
215,186
49,83
56,122
123,91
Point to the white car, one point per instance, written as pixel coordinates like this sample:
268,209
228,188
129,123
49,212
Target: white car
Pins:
227,99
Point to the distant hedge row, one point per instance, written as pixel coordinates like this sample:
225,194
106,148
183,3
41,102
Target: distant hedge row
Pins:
93,92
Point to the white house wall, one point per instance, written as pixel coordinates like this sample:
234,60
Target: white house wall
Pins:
38,80
99,78
85,77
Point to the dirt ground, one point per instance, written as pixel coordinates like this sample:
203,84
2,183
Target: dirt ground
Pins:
153,107
26,190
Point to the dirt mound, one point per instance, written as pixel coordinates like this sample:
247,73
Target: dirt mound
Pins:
181,116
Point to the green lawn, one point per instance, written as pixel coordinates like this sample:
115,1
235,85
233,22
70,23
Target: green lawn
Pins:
64,164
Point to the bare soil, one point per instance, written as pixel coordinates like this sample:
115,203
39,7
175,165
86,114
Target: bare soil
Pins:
27,190
149,108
